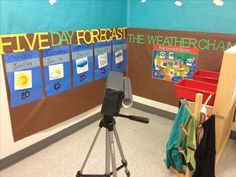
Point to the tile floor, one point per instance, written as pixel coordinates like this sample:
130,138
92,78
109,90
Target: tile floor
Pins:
143,145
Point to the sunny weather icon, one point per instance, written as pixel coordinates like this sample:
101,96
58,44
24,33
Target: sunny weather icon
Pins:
56,71
22,80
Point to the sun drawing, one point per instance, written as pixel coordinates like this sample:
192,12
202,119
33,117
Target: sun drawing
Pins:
56,71
23,80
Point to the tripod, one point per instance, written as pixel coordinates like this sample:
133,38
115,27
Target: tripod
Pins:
107,122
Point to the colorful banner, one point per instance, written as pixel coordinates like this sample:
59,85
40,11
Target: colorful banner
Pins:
82,61
22,42
119,55
56,63
24,77
173,63
102,52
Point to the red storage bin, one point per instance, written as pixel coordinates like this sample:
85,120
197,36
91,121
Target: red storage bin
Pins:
189,88
206,76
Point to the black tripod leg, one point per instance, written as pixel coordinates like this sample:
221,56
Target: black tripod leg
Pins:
123,160
79,173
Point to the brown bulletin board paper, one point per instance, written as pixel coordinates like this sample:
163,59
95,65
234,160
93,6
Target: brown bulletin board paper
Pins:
140,48
45,113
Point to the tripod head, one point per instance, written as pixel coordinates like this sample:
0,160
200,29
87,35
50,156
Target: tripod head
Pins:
118,92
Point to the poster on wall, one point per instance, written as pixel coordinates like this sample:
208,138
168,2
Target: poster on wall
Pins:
24,77
102,51
173,63
119,55
56,63
82,61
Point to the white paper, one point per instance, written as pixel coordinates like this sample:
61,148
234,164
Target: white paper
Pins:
82,65
22,80
119,56
56,71
102,60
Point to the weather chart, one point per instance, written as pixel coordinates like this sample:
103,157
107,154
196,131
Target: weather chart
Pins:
173,63
24,77
82,61
119,55
102,59
56,63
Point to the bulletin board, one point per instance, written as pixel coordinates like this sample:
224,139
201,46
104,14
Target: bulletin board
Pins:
140,52
50,76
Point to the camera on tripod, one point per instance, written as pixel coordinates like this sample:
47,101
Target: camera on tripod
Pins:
118,93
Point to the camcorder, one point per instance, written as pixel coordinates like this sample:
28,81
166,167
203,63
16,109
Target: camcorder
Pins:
118,93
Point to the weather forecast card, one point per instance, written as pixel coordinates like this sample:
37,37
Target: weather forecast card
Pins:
102,52
56,63
24,77
119,55
82,62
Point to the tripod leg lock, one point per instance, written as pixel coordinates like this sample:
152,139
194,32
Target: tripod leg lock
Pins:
124,163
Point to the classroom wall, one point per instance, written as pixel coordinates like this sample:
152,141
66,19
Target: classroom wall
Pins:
39,16
66,15
199,16
196,24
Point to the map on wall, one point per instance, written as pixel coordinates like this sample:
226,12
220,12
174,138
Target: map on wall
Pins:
173,63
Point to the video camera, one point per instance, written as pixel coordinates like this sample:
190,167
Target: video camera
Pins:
118,92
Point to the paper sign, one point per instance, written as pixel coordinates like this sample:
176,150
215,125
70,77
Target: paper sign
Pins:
119,55
82,62
56,63
102,52
24,77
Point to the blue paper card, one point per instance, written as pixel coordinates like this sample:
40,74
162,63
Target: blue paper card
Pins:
82,61
102,52
24,77
119,55
56,63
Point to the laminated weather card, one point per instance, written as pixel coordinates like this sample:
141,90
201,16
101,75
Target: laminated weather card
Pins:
119,55
82,61
56,63
24,77
102,52
173,63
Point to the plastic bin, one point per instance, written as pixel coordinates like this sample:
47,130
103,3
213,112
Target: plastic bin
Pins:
206,76
189,88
